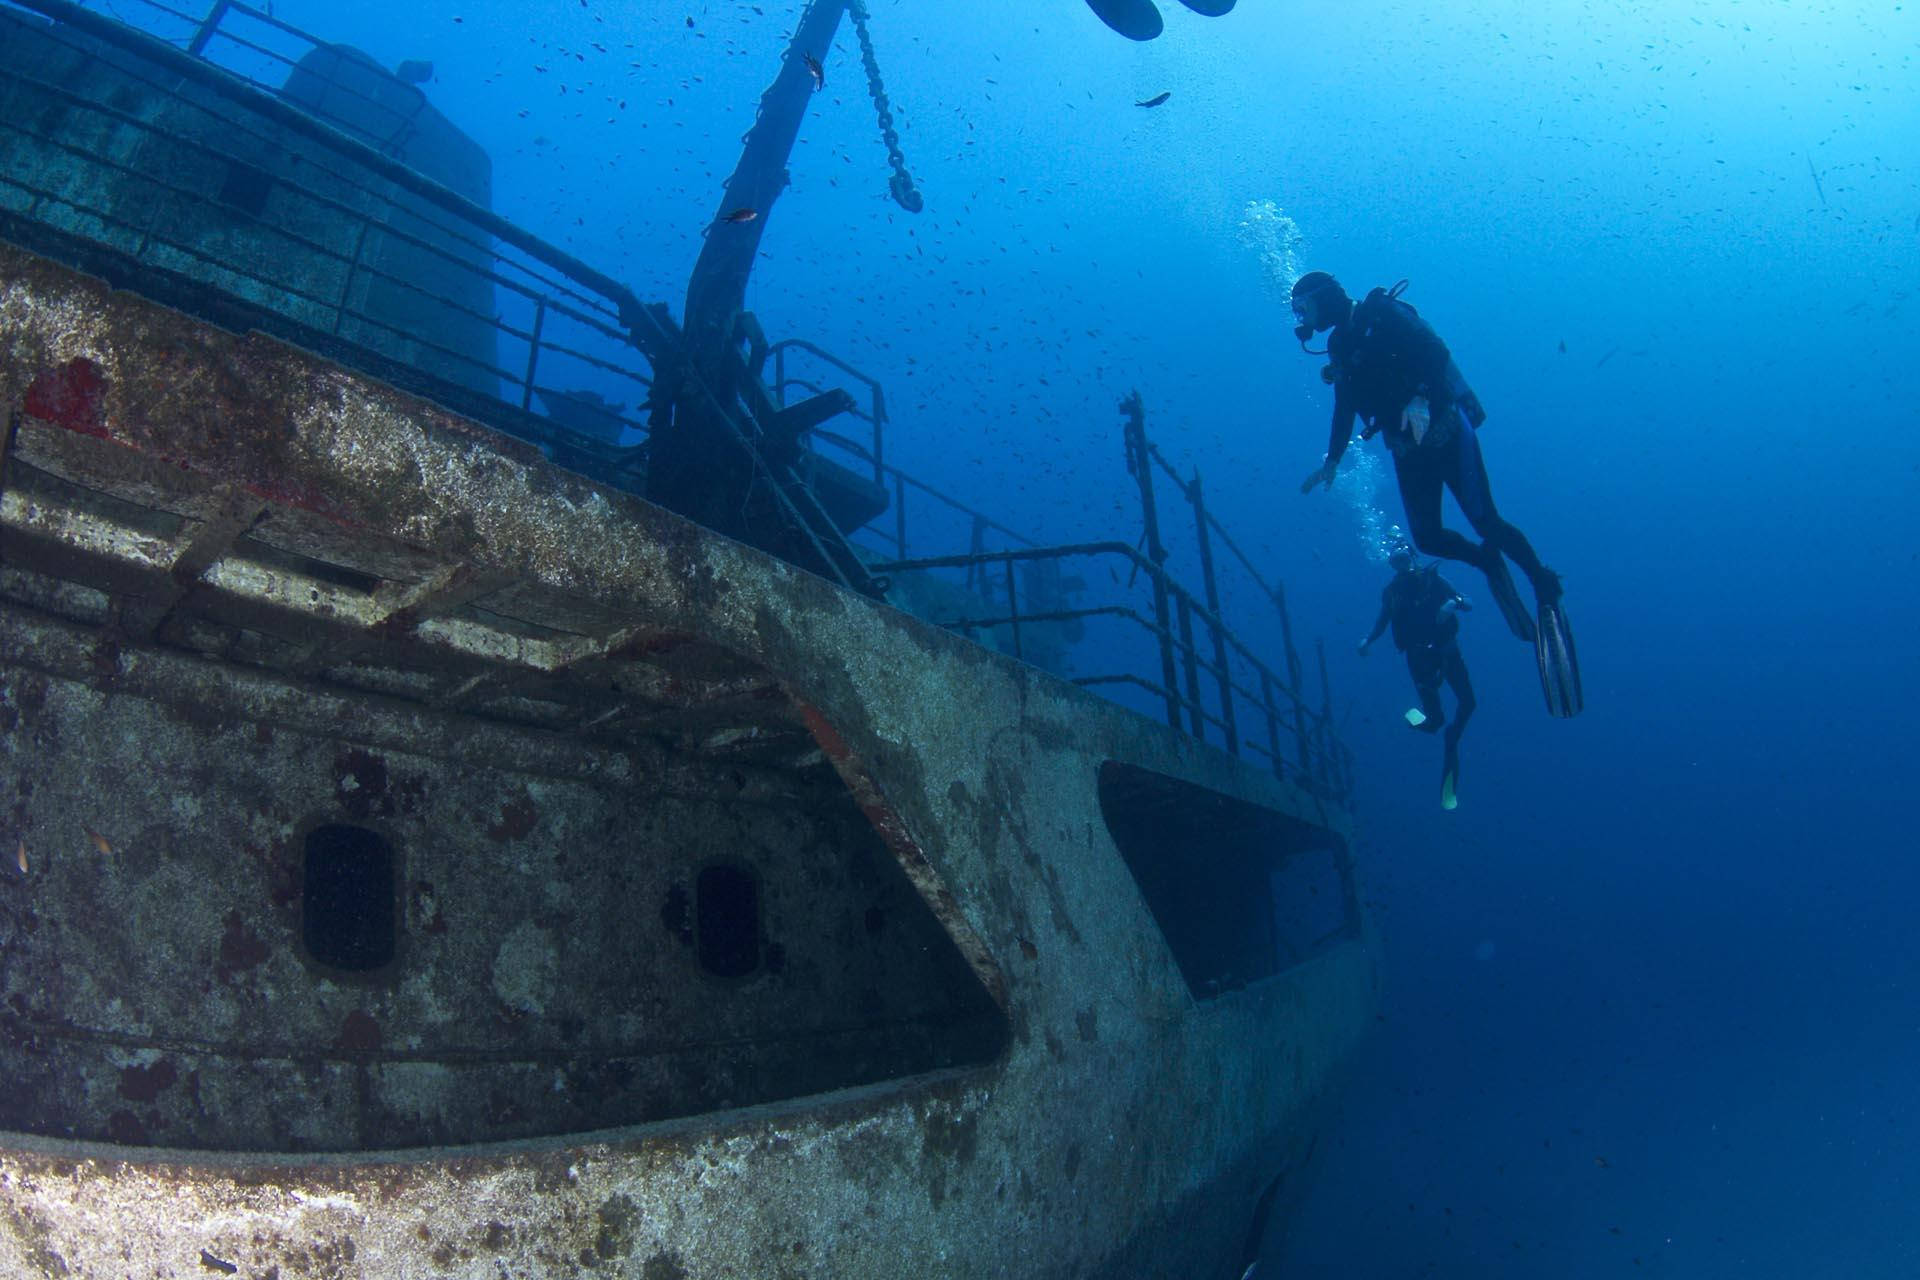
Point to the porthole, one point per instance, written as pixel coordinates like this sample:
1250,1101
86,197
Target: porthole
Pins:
727,921
349,904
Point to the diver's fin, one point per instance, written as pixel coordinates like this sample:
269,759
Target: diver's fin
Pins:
1416,717
1559,665
1507,596
1134,19
1450,778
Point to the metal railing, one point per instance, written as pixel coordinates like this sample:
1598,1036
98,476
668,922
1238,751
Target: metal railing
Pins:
253,45
180,161
1257,693
1240,688
226,198
871,452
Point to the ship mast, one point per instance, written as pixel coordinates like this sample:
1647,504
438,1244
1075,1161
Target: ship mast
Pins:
717,290
722,450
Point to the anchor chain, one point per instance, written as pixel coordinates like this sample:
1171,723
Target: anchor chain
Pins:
905,194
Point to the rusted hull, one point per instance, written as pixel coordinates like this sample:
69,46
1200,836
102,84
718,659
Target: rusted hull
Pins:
248,596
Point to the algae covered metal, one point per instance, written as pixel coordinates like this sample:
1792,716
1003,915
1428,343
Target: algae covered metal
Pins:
426,859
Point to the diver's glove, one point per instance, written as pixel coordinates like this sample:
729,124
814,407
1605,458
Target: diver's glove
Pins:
1322,474
1366,645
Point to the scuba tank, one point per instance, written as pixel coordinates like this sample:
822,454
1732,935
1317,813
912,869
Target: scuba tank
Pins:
1463,394
1457,385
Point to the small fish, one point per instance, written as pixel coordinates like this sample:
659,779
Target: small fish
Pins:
100,842
1155,100
742,215
1563,346
211,1263
20,857
814,70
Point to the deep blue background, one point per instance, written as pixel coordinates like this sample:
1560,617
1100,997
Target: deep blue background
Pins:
1653,988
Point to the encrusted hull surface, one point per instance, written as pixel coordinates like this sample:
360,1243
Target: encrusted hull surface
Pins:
735,925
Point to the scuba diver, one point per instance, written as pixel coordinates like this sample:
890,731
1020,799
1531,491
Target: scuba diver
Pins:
1391,370
1140,19
1424,610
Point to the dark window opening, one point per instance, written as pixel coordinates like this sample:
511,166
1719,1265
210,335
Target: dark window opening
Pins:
349,903
246,188
1308,894
1239,891
727,921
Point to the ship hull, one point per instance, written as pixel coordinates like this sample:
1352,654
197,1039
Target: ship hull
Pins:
723,922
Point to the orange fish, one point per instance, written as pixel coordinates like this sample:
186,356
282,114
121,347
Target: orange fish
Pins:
20,857
813,69
742,215
100,842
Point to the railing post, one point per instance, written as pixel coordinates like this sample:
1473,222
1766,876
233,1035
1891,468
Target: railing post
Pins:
198,46
1190,662
1326,711
977,547
533,353
1301,741
353,273
1273,723
1213,607
1013,609
900,514
1140,463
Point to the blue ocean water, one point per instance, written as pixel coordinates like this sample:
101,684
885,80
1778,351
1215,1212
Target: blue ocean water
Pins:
1653,991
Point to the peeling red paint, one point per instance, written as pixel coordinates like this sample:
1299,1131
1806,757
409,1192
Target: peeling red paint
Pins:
360,784
517,819
144,1084
240,948
359,1033
824,733
125,1127
305,497
893,833
72,396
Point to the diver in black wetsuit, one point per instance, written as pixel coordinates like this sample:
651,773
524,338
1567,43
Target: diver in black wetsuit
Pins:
1390,370
1424,609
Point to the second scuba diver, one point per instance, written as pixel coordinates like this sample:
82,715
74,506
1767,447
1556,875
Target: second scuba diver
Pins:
1424,610
1390,370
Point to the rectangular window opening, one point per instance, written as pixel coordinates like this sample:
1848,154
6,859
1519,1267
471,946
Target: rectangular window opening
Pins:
1241,892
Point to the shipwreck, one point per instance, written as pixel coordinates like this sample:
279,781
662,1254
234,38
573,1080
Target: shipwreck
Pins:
478,800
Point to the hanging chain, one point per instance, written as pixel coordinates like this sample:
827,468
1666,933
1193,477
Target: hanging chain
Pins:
901,183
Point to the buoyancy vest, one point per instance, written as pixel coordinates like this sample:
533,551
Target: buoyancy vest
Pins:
1415,609
1391,336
